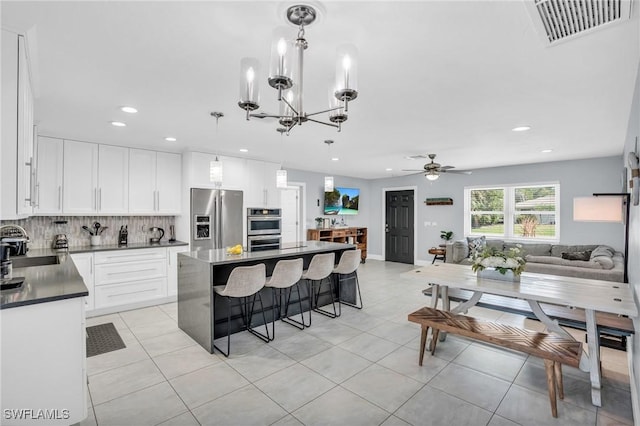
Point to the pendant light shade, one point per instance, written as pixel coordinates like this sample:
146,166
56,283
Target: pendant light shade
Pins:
281,178
328,184
215,172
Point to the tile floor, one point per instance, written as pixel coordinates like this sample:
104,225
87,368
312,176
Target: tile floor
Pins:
359,369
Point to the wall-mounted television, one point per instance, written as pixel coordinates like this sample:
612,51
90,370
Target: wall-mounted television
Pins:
342,201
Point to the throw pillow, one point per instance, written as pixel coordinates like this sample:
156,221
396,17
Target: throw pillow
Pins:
577,255
476,245
602,251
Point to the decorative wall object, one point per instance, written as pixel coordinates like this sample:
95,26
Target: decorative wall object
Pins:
439,201
634,183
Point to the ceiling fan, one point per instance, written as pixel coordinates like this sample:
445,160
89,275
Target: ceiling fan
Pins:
432,170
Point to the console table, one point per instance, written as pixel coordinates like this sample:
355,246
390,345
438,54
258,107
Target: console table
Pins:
353,235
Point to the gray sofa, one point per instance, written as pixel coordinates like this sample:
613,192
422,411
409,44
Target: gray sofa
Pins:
604,263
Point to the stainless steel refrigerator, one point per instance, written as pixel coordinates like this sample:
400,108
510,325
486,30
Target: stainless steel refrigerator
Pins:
216,218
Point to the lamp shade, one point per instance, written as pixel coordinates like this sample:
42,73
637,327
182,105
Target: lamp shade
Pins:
215,172
249,82
598,209
431,175
328,183
281,178
282,58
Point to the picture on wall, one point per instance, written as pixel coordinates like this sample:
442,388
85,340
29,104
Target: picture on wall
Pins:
341,201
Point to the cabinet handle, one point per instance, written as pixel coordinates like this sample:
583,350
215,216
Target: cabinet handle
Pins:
128,272
37,203
59,198
99,198
158,197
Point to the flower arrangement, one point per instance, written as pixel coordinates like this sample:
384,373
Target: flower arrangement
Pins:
501,261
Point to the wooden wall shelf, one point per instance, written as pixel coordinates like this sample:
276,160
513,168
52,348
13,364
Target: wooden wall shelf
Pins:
439,201
357,236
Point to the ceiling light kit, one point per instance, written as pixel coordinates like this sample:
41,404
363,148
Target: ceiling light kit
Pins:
286,73
328,180
215,166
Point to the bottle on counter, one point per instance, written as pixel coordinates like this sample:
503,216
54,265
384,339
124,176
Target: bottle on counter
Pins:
123,235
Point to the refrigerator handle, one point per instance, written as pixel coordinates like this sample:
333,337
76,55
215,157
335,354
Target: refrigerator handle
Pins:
218,224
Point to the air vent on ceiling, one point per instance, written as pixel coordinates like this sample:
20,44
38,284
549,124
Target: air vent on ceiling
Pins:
558,20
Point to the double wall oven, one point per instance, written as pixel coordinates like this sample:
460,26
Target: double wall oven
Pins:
264,229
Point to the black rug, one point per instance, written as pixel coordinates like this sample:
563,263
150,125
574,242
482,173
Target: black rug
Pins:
103,338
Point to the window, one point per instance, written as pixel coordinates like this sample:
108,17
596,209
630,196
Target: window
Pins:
513,211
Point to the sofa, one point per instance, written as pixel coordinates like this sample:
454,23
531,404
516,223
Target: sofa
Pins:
598,262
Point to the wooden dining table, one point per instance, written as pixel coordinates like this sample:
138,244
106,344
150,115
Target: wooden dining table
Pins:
591,295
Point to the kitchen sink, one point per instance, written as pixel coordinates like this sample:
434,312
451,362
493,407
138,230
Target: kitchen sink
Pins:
25,262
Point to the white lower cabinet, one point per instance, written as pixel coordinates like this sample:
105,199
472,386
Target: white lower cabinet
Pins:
130,276
44,362
84,265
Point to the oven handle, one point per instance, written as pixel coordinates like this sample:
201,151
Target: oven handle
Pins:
264,237
263,218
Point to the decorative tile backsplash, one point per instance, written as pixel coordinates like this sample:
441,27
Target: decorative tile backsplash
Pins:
42,229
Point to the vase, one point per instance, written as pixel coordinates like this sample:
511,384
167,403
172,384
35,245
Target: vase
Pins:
494,274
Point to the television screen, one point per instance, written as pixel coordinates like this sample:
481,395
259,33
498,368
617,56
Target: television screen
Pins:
341,201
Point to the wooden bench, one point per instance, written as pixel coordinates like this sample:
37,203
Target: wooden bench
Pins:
554,350
613,329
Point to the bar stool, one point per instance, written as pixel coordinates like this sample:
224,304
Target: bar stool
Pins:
347,269
285,276
245,282
320,269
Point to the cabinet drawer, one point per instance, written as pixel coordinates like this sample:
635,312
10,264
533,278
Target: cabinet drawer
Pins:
130,292
130,255
110,273
339,234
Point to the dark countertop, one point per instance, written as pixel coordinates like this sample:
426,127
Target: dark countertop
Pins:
220,256
45,283
58,281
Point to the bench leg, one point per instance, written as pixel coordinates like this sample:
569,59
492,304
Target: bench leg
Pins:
423,343
434,340
557,367
551,386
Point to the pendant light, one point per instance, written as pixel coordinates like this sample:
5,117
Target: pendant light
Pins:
281,175
328,180
215,166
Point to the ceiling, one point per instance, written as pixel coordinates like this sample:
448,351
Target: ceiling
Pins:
452,78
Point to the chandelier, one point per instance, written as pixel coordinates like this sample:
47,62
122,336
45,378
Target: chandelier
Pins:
286,71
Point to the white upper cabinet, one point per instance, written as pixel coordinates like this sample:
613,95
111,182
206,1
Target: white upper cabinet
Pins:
17,146
154,182
49,181
261,189
80,193
113,179
168,182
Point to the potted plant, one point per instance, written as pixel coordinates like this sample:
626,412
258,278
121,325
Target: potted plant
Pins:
319,222
446,235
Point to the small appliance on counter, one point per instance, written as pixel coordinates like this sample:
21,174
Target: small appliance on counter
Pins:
172,234
156,235
123,236
60,242
7,280
16,237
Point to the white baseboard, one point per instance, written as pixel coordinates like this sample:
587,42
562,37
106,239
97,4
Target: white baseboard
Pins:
130,306
418,262
375,257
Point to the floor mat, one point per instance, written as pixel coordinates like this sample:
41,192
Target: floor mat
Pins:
103,338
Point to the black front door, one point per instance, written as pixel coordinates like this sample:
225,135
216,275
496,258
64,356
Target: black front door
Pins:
399,226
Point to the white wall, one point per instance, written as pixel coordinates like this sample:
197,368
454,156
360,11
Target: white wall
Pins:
633,133
577,178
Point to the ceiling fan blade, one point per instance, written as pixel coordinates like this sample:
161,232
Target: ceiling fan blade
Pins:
412,170
460,172
416,157
421,172
447,167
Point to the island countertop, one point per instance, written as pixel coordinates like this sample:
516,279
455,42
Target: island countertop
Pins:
220,256
56,278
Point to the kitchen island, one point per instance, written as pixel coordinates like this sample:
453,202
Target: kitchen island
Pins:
42,322
199,271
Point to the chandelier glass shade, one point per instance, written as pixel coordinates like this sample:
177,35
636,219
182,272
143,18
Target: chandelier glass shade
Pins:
215,172
286,71
281,178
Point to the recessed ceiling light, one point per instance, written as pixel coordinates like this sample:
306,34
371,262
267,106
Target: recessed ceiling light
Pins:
546,150
521,129
118,123
170,139
388,169
335,159
130,110
244,150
